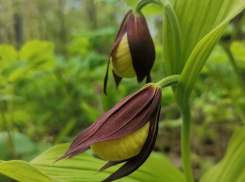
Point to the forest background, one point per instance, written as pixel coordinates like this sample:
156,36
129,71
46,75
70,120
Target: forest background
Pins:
53,56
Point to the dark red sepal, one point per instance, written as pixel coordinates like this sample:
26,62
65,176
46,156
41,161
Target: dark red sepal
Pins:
111,163
148,78
141,46
116,78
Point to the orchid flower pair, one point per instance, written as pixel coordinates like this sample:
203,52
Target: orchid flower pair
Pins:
126,133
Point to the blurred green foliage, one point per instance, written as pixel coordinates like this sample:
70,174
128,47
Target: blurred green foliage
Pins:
51,80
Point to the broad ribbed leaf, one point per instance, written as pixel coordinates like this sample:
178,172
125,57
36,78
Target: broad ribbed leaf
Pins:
84,168
231,168
201,25
23,171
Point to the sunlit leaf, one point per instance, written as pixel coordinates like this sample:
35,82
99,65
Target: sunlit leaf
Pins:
87,166
8,53
14,70
23,171
231,168
11,97
16,74
37,52
84,167
3,80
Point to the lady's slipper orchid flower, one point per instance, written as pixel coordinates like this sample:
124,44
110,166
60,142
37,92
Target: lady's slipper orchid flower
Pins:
126,133
133,52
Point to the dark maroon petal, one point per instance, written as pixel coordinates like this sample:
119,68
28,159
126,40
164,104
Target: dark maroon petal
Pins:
116,78
148,78
122,111
73,154
139,159
111,163
126,117
126,121
106,76
117,125
141,46
122,30
78,152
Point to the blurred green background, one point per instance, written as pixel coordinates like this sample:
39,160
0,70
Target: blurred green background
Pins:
53,56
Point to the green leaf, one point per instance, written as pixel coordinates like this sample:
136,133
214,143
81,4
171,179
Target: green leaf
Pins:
38,53
17,74
65,131
22,144
15,69
4,152
8,97
238,50
23,171
3,80
92,113
231,168
8,53
201,24
84,167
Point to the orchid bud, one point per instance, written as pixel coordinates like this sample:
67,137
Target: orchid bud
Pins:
133,52
121,59
126,133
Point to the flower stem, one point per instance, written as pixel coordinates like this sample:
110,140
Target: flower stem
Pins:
143,3
226,48
170,80
185,146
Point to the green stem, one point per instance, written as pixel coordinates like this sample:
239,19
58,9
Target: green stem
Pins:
143,3
237,30
185,146
178,65
235,67
226,48
239,111
8,129
170,80
12,105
